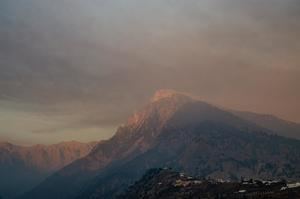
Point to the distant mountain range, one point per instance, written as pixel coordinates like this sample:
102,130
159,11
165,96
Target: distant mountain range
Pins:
175,130
22,168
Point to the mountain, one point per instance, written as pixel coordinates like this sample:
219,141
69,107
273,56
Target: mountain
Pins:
279,126
177,131
167,184
25,167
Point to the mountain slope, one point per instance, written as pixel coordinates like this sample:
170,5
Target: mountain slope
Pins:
25,167
130,140
207,149
177,131
279,126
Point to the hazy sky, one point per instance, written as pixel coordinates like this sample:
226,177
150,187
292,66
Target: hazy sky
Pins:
75,69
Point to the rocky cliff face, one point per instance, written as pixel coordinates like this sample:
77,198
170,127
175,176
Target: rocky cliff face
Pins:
177,131
25,167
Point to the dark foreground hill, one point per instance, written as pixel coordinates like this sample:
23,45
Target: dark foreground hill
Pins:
168,184
176,131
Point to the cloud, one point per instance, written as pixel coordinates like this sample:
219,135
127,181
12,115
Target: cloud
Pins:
92,63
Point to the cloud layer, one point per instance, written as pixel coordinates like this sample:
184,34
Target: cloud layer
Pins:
76,69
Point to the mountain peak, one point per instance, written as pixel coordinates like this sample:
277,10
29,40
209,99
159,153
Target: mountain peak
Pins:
163,105
167,93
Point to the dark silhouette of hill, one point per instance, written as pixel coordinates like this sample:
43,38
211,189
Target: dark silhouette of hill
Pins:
167,184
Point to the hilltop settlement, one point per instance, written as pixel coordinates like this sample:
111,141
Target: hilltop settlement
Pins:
166,184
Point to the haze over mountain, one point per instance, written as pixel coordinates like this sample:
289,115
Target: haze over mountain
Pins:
78,69
67,65
22,168
175,130
277,125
